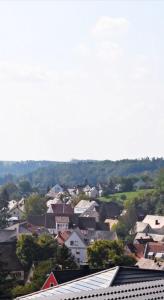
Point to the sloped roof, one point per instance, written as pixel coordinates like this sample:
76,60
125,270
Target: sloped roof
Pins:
87,222
145,263
143,291
62,209
20,228
62,237
140,226
112,283
150,236
136,249
155,247
151,220
7,235
108,210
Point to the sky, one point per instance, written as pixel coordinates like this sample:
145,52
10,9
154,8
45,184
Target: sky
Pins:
81,79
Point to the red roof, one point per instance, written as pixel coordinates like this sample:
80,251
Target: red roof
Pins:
62,237
155,247
50,282
62,209
137,249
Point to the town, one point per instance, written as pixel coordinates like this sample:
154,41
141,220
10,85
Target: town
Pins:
69,233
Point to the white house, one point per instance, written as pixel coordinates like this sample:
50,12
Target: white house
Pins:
77,246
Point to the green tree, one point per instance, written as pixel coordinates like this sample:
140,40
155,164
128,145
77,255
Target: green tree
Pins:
160,181
35,205
47,247
40,274
27,249
65,258
4,214
103,252
25,187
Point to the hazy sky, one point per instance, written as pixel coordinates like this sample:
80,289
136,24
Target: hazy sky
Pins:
81,79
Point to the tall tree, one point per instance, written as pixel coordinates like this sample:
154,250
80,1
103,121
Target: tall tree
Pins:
35,205
103,252
27,249
4,199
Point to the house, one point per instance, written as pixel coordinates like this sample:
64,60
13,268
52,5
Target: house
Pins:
87,188
50,223
145,263
61,209
108,210
148,237
78,247
91,212
151,227
140,184
50,282
142,227
10,261
155,222
84,205
79,240
54,191
111,284
135,249
54,201
16,209
93,193
154,251
111,223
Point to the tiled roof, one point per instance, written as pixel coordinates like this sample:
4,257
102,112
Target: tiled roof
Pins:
149,237
155,221
108,210
145,263
62,209
155,247
137,249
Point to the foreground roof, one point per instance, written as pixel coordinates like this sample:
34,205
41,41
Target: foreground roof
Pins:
116,276
151,290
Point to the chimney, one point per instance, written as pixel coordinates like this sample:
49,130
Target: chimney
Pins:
156,222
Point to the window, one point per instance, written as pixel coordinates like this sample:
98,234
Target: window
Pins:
71,243
51,285
77,252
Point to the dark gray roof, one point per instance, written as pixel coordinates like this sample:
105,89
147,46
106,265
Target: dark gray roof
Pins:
9,258
21,228
108,210
7,235
46,220
86,223
134,275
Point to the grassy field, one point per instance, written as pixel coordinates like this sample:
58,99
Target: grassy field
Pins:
126,195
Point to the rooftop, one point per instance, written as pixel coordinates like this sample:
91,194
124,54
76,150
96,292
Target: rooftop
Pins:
114,282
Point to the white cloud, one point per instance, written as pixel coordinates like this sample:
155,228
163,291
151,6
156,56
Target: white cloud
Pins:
108,26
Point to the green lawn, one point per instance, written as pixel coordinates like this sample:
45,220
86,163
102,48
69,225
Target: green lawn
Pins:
128,195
